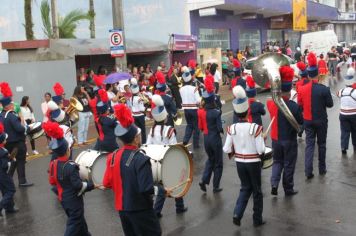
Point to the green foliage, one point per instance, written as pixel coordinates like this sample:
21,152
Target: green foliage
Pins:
45,14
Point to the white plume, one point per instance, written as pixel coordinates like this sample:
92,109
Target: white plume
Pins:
185,69
239,92
157,100
133,81
52,106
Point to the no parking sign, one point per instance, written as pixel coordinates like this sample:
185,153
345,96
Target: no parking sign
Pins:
116,43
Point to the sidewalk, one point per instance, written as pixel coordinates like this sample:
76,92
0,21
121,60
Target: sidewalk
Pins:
41,143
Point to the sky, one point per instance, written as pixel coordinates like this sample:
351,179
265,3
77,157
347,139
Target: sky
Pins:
151,19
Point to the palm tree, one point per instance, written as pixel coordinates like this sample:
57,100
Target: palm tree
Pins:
66,24
91,13
28,20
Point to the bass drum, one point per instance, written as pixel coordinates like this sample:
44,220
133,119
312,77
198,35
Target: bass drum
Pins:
35,130
267,159
172,166
92,165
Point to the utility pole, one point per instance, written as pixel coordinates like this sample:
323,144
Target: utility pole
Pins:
118,23
54,19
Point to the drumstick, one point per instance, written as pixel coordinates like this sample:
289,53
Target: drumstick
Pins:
264,135
179,185
187,145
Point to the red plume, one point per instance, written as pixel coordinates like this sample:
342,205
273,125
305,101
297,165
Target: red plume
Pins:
301,66
52,129
236,63
123,115
192,64
287,73
160,77
103,95
1,128
209,84
250,82
58,89
312,61
99,80
6,90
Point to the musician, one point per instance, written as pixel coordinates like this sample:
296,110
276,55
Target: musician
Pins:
168,100
7,186
106,125
347,115
209,121
190,102
16,131
58,98
284,136
162,134
129,174
174,87
256,109
303,74
245,142
314,99
237,80
64,175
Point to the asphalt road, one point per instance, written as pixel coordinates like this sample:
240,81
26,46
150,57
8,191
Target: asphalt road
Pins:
324,206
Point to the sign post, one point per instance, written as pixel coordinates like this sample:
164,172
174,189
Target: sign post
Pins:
117,48
300,22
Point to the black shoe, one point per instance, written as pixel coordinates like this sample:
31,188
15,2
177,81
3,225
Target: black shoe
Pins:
202,187
344,152
236,221
180,211
12,211
159,215
27,184
217,190
322,172
259,223
291,193
274,191
310,176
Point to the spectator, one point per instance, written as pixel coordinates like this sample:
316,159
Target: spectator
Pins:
84,116
332,61
175,88
217,76
224,66
44,107
298,55
29,117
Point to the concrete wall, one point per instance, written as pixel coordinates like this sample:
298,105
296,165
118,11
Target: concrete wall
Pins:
25,55
33,79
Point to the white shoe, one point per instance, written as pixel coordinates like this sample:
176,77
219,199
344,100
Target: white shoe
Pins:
35,152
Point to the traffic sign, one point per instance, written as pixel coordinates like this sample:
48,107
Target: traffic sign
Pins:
116,43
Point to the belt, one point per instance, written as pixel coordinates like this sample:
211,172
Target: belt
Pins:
247,156
190,106
138,113
348,110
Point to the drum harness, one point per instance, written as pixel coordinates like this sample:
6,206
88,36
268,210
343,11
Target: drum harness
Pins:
347,95
129,160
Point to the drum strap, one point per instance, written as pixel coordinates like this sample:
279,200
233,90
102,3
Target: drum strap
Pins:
112,163
61,176
129,160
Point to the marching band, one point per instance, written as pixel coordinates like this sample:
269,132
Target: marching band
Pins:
129,171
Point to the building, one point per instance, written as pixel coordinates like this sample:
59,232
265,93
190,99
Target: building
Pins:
235,24
345,25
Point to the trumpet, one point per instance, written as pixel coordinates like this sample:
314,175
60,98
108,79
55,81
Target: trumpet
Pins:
145,100
72,111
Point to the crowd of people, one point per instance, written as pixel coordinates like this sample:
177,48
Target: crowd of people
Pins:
120,110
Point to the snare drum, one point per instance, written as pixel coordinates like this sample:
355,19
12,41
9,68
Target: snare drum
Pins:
92,165
35,130
172,166
267,160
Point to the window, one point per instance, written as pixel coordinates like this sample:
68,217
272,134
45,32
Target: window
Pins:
251,38
214,38
274,36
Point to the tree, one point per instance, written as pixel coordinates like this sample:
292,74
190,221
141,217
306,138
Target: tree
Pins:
28,20
91,13
67,24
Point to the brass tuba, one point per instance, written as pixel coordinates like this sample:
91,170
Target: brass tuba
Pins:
266,68
74,107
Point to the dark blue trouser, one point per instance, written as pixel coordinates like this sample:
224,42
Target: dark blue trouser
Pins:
191,116
161,198
347,126
76,224
140,223
250,176
140,122
8,190
20,163
315,130
285,155
213,148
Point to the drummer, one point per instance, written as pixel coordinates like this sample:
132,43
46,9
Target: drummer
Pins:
128,172
284,137
245,142
162,134
64,174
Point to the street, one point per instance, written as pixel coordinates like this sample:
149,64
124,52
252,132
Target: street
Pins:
325,205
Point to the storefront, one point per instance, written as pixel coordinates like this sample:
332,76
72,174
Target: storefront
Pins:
235,24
